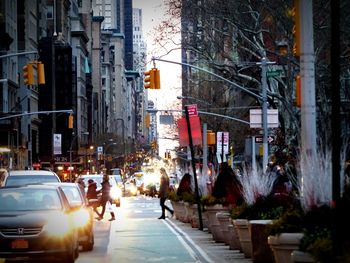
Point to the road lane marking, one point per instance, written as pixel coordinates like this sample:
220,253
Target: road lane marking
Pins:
181,235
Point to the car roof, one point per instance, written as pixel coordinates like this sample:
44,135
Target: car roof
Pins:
30,172
31,186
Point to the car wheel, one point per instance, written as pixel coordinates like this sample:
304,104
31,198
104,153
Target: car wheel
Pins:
89,245
71,256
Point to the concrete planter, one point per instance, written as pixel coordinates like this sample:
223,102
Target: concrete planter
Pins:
189,213
302,257
283,245
179,210
224,220
242,226
234,240
261,251
214,223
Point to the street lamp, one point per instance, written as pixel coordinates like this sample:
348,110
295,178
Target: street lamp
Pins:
70,154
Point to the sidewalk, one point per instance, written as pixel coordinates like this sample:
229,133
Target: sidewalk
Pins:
216,252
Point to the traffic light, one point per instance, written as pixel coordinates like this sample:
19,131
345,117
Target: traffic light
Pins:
149,79
70,121
152,79
298,91
41,73
296,27
156,78
28,77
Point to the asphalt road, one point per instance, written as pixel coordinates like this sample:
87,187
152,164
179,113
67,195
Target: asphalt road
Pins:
137,235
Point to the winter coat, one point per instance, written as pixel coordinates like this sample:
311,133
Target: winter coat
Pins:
92,191
164,186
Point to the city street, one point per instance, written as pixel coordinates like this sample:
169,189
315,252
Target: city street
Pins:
138,236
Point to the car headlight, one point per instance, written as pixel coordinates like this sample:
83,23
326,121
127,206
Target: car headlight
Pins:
116,192
58,225
81,217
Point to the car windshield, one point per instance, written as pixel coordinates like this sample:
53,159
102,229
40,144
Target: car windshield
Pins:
24,199
73,195
29,179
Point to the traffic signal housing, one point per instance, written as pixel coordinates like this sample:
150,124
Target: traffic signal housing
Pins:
152,79
28,77
70,121
41,73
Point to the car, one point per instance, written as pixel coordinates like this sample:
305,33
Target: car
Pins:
23,177
118,179
85,215
37,223
130,189
116,192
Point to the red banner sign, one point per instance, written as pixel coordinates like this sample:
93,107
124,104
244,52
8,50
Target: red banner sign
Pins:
195,131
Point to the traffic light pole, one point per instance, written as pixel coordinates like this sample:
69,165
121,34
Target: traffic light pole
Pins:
18,54
264,63
35,112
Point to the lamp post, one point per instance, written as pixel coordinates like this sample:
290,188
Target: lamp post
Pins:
70,154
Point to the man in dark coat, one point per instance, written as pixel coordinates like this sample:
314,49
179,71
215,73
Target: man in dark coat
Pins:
92,193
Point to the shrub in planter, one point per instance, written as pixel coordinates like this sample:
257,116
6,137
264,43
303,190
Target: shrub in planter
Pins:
172,196
189,198
210,200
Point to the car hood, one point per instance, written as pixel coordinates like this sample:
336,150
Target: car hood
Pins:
27,218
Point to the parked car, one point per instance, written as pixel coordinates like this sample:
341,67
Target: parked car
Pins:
116,191
37,222
23,177
84,213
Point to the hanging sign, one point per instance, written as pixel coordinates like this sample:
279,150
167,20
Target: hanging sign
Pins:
195,131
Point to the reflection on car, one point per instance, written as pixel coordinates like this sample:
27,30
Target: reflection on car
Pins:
116,192
23,177
37,222
84,217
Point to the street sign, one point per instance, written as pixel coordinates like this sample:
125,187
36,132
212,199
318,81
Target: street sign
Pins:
192,110
255,120
220,142
259,139
273,73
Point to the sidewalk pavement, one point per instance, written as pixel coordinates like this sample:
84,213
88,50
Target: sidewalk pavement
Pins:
216,252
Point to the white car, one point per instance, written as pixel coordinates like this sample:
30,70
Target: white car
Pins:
115,192
25,177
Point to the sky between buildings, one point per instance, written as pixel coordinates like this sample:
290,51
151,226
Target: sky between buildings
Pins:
153,13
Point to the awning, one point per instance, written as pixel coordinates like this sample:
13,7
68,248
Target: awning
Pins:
4,150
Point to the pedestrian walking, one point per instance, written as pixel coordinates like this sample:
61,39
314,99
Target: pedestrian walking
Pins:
81,183
105,197
92,193
163,192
